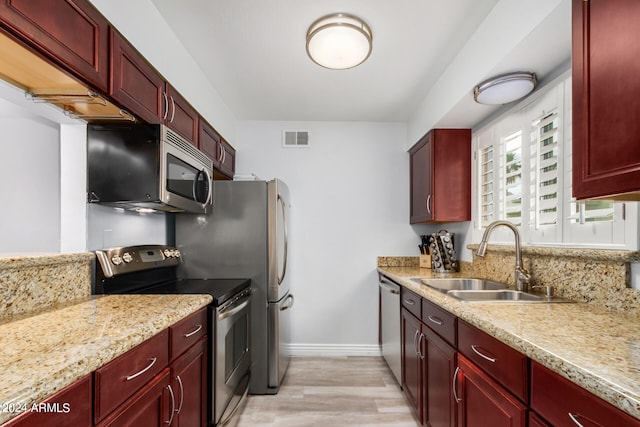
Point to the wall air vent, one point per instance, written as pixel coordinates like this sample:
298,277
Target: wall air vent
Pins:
295,138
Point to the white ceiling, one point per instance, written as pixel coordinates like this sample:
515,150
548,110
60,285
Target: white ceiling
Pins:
253,51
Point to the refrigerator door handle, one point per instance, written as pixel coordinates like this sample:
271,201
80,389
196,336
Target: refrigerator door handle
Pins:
288,306
286,239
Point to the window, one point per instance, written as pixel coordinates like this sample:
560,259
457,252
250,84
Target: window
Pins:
523,175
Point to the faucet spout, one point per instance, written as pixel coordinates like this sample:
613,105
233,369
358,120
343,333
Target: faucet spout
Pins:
522,277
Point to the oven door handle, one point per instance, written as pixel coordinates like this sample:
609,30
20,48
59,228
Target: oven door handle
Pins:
234,309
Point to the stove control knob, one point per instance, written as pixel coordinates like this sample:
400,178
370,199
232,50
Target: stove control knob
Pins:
167,253
176,253
127,257
116,260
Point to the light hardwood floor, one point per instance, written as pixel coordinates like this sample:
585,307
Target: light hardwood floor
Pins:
332,391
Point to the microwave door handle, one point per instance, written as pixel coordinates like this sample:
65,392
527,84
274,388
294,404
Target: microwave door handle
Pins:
195,186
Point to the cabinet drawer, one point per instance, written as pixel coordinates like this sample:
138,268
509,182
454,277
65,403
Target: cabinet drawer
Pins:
440,320
557,400
71,406
411,301
123,376
187,332
507,366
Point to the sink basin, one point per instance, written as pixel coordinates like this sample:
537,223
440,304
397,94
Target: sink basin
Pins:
507,295
461,284
504,296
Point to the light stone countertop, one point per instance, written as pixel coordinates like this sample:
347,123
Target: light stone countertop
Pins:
44,352
596,348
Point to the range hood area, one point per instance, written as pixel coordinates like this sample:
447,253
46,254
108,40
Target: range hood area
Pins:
43,82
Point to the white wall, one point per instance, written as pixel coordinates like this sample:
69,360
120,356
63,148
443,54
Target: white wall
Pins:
350,204
29,182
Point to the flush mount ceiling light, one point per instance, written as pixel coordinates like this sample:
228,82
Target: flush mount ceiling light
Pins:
505,88
339,41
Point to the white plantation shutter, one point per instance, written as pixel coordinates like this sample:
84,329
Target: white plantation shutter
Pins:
513,177
487,186
544,142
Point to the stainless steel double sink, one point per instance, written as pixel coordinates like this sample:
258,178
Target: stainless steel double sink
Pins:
481,290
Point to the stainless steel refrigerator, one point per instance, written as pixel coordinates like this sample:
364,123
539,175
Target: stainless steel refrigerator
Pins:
246,236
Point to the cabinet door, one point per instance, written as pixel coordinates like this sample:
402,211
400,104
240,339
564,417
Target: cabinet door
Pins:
483,402
451,182
564,403
71,406
421,171
440,405
134,83
228,160
181,116
606,106
70,32
153,406
412,362
209,142
440,172
189,382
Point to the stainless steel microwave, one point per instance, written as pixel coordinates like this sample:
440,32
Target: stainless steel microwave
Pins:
146,167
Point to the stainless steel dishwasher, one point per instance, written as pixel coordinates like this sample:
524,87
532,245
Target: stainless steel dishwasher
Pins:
390,324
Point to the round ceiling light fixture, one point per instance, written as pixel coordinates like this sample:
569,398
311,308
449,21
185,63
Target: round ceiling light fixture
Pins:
339,41
505,88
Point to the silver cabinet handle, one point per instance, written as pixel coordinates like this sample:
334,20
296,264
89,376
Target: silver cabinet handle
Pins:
479,353
455,385
166,106
409,301
173,405
195,331
137,374
224,154
436,320
181,394
415,342
420,346
173,109
429,203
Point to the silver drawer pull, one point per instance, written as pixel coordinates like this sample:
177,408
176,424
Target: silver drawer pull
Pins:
574,418
409,302
137,374
198,328
484,356
177,411
436,320
455,385
173,405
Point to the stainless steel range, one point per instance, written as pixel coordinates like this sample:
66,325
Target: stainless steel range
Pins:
151,269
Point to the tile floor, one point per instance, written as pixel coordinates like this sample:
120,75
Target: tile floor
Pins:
332,391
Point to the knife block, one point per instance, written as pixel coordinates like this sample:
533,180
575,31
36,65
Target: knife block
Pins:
425,261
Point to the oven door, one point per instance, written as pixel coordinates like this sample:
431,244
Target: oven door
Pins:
232,357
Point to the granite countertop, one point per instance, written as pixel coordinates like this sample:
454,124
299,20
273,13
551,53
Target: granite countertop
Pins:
596,348
44,352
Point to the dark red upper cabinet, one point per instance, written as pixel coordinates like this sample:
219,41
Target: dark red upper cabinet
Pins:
606,105
136,85
440,165
71,33
181,116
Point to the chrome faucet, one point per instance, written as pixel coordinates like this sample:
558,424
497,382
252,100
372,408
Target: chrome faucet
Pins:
522,276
